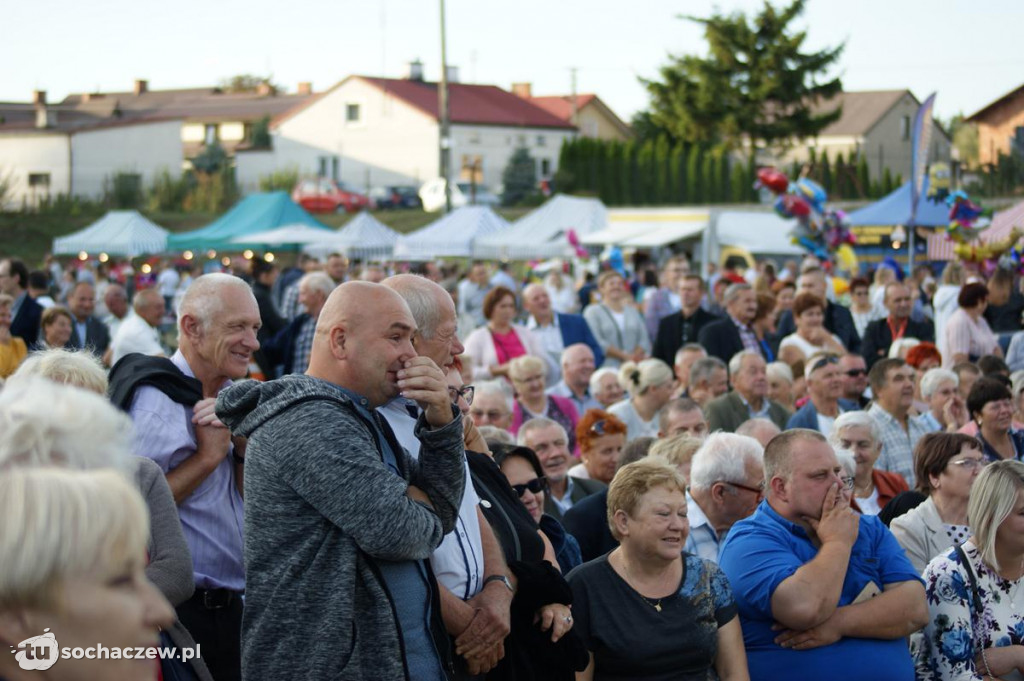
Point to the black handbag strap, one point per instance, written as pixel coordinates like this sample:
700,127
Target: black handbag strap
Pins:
962,557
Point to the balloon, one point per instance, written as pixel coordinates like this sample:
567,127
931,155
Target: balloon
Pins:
813,193
980,252
846,258
772,180
616,261
574,241
792,206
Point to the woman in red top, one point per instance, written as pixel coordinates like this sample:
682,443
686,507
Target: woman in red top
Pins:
872,488
493,346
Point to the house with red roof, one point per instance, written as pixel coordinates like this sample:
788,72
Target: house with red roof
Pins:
76,145
368,131
587,112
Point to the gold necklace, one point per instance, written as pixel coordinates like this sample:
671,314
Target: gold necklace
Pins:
656,604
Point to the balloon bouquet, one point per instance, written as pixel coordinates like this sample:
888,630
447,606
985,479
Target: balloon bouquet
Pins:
822,231
967,220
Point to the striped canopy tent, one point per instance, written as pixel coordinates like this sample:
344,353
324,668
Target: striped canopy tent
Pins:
364,236
940,247
544,232
451,236
119,232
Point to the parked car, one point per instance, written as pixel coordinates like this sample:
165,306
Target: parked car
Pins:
432,195
395,196
322,195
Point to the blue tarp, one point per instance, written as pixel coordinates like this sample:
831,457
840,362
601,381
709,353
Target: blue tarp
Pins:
894,209
255,213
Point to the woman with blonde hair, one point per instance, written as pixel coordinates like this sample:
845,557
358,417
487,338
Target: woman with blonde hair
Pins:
56,326
975,600
529,378
12,348
647,609
650,385
72,575
677,451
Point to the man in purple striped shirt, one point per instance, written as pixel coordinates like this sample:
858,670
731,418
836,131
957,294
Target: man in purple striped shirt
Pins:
217,324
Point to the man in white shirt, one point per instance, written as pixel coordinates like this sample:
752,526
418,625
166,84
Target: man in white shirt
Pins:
139,333
167,282
115,298
472,290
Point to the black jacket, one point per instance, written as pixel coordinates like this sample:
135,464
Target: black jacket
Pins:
26,324
136,370
838,320
588,522
97,337
722,339
674,332
272,323
878,338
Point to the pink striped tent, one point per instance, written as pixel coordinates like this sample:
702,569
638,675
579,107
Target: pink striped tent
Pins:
940,247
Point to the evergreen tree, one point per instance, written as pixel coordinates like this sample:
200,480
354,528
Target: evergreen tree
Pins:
663,170
863,177
738,183
724,177
519,177
841,177
613,174
827,181
755,68
708,178
625,176
694,186
645,166
678,174
887,182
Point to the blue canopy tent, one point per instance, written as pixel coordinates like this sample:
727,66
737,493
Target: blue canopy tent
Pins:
894,209
255,213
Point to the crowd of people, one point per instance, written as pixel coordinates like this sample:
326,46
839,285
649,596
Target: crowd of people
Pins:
352,471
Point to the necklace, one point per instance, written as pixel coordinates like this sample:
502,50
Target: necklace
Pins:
654,603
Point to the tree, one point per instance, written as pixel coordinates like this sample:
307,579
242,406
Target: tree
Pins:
863,177
755,83
247,82
965,139
261,133
519,177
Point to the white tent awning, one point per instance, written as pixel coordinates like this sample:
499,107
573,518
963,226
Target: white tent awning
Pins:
649,227
544,232
760,232
119,232
364,236
451,236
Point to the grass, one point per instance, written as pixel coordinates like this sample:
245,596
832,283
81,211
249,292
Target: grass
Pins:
30,236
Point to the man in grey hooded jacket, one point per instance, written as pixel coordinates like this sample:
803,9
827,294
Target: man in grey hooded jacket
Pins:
339,518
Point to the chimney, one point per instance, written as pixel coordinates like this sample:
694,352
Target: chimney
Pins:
39,97
141,87
45,117
264,89
415,71
453,74
524,90
305,88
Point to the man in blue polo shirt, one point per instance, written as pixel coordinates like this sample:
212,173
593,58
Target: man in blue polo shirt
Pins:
823,592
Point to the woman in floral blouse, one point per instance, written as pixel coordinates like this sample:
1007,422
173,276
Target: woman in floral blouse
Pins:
975,594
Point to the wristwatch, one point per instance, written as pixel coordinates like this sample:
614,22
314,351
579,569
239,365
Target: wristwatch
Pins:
499,578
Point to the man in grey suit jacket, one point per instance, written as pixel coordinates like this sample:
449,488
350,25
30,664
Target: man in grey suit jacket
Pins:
748,399
551,443
89,332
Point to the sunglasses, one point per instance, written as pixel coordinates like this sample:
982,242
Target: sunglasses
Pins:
598,428
536,486
466,393
854,373
824,361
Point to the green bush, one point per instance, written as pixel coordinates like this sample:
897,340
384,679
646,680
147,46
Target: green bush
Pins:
167,193
280,180
123,190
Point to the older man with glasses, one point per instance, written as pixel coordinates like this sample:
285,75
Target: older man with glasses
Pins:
824,385
726,485
854,371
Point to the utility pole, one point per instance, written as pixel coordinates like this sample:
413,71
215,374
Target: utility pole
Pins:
445,139
575,109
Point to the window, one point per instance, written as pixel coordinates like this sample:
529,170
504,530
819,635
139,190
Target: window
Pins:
905,128
352,113
545,167
474,137
472,169
522,140
322,162
541,140
39,180
335,168
210,136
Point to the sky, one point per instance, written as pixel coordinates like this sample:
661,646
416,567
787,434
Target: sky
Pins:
968,52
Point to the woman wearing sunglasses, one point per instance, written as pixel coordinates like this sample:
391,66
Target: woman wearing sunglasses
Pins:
526,476
947,465
601,438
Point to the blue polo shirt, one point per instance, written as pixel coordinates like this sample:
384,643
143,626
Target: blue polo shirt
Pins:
762,551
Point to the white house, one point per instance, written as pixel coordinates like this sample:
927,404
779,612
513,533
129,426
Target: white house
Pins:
368,131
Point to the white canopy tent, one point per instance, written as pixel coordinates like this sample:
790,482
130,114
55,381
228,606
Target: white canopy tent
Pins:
119,232
451,236
544,232
364,236
288,235
649,227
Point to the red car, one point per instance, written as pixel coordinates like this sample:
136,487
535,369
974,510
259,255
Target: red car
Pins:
327,196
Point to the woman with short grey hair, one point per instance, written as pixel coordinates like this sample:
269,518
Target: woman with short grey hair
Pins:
946,410
975,600
872,489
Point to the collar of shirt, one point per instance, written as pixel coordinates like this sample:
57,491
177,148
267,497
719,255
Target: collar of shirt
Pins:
531,323
879,412
18,303
695,514
760,413
179,361
565,503
771,514
740,325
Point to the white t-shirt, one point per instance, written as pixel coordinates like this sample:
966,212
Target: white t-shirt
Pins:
635,426
869,505
135,335
825,424
619,317
458,563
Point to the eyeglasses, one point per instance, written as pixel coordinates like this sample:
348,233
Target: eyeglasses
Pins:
854,373
970,463
848,483
759,490
466,393
537,485
824,361
598,427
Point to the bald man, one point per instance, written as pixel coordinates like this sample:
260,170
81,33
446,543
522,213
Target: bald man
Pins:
140,331
340,519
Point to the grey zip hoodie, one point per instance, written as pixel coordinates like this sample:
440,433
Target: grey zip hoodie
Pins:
321,507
